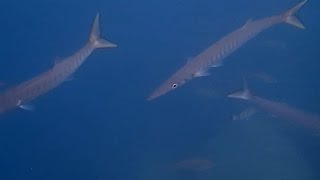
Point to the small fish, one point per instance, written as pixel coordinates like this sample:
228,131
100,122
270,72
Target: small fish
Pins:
213,56
245,114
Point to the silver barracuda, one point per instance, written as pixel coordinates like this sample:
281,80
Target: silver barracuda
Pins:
22,94
281,110
214,55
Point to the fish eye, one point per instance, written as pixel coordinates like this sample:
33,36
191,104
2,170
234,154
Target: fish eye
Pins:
174,86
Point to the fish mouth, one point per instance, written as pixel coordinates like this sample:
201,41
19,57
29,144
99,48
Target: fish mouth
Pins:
155,95
160,91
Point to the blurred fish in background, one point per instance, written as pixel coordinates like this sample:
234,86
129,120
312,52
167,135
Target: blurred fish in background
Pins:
246,114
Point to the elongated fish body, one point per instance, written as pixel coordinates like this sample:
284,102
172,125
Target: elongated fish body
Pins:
281,110
22,94
214,55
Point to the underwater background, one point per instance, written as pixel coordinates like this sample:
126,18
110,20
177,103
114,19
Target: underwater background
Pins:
100,125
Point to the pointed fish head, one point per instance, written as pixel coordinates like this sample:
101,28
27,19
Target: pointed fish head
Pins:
171,84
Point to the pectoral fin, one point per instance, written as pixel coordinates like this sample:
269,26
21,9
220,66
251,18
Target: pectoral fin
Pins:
27,107
201,73
217,64
71,78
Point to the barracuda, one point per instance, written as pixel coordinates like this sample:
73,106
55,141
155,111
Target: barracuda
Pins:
22,94
214,55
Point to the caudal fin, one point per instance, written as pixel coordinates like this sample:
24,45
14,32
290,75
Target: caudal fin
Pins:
290,18
95,38
243,94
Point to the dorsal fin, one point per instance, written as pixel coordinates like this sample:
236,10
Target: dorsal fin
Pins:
247,23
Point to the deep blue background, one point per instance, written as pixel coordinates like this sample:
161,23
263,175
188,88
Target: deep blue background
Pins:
100,126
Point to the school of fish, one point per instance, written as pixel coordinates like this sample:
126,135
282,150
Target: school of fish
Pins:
213,56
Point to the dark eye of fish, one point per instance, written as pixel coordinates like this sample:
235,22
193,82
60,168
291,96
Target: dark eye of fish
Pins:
174,85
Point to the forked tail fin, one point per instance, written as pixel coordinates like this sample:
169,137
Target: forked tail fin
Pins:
95,38
290,18
243,94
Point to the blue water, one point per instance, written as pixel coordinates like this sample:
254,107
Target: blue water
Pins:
100,126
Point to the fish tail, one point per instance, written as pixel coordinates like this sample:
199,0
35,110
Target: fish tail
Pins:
291,18
243,94
95,38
